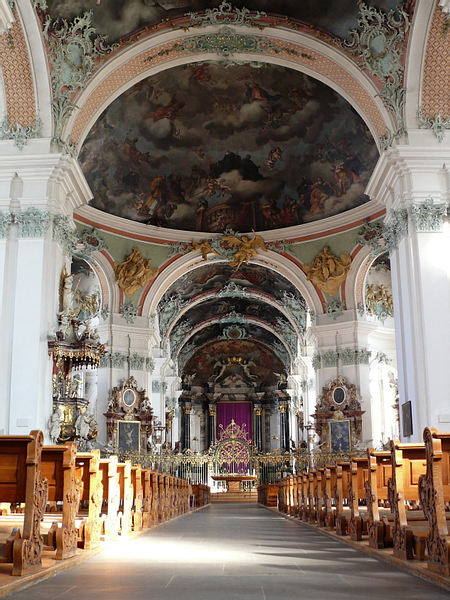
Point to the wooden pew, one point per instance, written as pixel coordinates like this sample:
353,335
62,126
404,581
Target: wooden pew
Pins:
155,496
111,498
410,529
21,482
125,498
321,496
58,466
147,492
356,493
434,492
379,466
87,468
329,495
138,495
304,485
342,471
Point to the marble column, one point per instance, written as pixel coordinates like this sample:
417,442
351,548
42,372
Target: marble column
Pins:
257,409
187,426
284,427
212,424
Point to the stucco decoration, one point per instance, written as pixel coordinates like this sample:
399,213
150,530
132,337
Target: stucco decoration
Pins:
134,273
327,271
438,124
379,43
129,312
74,53
428,216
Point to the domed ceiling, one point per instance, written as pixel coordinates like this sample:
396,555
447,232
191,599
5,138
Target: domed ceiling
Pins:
217,145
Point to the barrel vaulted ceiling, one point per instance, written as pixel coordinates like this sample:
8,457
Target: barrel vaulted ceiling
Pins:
194,118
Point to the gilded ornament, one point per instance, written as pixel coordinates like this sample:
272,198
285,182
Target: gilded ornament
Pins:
246,248
327,271
134,273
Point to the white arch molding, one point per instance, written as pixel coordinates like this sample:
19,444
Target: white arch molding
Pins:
304,42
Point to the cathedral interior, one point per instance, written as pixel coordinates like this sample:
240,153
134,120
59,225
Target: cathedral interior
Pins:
225,230
216,215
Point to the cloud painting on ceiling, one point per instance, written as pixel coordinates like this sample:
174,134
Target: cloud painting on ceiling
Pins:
204,362
119,18
206,147
215,276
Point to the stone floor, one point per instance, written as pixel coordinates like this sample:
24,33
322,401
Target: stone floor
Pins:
229,552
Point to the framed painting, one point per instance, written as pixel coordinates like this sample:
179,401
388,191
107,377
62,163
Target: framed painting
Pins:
129,434
339,432
407,427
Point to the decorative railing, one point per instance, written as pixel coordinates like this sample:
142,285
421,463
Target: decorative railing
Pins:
269,468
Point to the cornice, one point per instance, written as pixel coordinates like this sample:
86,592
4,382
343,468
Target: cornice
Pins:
126,228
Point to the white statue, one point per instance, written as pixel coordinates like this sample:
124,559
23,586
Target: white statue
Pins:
86,425
54,424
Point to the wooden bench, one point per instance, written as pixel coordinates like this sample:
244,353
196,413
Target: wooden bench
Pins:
356,496
138,497
111,498
434,492
342,517
87,469
58,467
125,498
21,482
379,465
410,528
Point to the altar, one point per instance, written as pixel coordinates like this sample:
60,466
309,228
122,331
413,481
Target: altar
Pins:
234,482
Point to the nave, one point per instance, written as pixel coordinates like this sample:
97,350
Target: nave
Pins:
230,551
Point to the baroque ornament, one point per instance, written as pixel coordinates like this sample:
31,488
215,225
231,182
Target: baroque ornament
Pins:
91,241
438,125
33,223
64,234
75,52
379,303
225,43
327,271
371,234
226,14
129,312
335,308
396,229
134,273
379,44
428,216
20,133
136,362
6,219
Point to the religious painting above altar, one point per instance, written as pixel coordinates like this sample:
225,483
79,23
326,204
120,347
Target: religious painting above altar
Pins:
204,147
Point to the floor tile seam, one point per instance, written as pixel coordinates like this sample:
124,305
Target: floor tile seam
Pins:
411,568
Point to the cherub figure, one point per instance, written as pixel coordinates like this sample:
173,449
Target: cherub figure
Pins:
246,248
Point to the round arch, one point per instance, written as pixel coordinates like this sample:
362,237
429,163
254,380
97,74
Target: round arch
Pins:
312,57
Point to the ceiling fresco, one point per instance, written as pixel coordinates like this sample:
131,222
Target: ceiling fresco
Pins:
223,308
119,18
203,364
209,147
215,276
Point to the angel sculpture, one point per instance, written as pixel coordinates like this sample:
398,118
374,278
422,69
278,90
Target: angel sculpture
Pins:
205,248
246,248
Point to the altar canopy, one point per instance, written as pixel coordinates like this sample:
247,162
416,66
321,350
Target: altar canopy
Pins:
239,412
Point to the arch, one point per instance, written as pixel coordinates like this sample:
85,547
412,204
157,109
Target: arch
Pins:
313,57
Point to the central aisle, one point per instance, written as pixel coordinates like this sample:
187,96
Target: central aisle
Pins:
231,552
